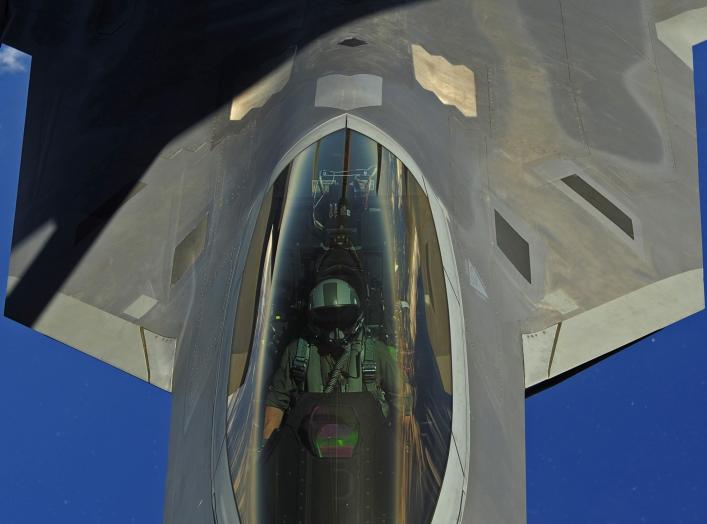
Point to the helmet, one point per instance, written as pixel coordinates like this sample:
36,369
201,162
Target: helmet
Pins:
334,306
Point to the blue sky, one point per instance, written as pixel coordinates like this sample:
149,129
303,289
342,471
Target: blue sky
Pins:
623,442
80,442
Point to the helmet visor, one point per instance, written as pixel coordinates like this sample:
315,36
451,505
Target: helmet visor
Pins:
335,317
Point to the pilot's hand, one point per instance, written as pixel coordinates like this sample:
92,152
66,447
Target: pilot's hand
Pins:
273,419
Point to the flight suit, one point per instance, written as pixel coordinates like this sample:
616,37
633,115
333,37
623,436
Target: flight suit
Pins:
387,384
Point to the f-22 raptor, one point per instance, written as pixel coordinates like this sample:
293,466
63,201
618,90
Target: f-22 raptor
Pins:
349,236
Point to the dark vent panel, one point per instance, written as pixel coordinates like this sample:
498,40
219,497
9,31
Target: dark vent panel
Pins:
600,203
189,250
514,246
353,42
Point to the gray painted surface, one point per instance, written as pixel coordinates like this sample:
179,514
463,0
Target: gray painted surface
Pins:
557,85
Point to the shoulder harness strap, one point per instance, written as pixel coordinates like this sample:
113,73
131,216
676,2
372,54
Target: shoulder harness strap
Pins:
369,368
298,368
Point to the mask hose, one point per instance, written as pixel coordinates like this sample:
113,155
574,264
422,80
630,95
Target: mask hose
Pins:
337,371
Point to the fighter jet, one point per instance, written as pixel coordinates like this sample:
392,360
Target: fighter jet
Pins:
351,236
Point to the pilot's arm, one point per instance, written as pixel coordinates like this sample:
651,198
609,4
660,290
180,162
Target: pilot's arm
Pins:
392,378
280,392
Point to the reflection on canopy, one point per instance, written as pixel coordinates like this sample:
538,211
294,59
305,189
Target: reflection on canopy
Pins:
344,208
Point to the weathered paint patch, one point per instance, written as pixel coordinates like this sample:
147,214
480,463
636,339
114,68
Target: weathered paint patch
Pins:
160,352
560,301
259,93
349,92
140,306
475,279
454,85
537,350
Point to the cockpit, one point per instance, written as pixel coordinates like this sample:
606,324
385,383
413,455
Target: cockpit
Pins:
340,385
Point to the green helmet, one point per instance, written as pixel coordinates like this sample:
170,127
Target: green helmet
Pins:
334,304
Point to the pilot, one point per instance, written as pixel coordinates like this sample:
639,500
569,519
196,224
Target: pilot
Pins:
342,356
